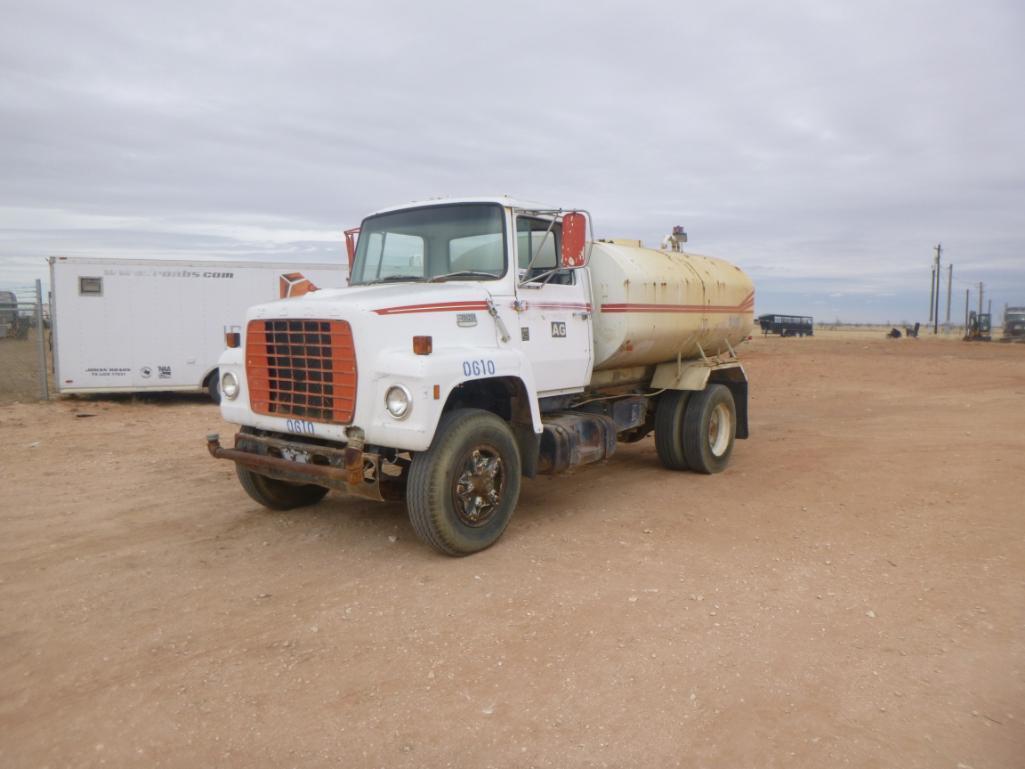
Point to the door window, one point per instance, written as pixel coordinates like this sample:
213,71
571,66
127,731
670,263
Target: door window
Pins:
538,248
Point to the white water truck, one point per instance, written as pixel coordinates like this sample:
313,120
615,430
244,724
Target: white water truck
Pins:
479,341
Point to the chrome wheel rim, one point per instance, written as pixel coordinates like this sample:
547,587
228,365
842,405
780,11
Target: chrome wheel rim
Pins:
719,430
478,486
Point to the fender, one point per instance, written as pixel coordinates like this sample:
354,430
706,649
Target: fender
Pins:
693,374
446,369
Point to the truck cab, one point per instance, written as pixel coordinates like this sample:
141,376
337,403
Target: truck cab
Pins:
460,357
1014,324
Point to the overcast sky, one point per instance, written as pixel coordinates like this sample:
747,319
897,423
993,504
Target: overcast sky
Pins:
825,147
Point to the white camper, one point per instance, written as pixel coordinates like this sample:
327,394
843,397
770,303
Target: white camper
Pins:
133,325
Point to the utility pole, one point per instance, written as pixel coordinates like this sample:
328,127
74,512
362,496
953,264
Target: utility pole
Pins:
981,290
932,291
950,280
967,298
939,277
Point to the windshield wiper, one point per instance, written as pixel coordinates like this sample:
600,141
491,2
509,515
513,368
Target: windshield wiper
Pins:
463,274
398,278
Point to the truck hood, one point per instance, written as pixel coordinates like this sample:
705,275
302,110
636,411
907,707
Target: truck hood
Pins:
382,299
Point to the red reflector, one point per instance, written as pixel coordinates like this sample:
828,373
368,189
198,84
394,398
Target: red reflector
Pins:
233,339
437,392
423,345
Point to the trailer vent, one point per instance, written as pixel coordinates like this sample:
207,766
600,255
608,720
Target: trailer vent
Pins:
302,369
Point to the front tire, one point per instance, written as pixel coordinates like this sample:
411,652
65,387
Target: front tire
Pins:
710,429
463,490
278,495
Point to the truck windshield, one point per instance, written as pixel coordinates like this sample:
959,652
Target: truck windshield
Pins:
454,242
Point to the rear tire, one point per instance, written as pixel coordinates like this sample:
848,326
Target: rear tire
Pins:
463,490
710,429
669,416
213,386
278,495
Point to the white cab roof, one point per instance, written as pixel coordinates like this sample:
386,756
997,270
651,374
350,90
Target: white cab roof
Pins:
502,200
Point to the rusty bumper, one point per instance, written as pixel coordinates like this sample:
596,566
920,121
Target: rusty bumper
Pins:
350,469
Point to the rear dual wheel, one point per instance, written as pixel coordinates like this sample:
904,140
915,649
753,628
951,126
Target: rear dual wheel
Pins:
696,430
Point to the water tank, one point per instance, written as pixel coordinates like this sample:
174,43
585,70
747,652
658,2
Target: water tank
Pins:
650,305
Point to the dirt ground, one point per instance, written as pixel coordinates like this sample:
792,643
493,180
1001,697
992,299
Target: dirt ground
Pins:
851,592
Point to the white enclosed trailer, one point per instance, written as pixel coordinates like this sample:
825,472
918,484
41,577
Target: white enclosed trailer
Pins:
132,325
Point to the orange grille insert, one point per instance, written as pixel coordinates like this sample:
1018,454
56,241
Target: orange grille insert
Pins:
302,368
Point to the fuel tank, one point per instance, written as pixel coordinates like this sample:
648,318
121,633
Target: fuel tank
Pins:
651,306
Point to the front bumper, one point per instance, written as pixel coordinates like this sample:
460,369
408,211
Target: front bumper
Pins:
351,469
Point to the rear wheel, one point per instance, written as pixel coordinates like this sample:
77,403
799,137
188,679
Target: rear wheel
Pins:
710,429
278,495
669,429
213,386
463,490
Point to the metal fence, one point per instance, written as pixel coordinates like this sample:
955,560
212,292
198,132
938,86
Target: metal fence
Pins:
25,344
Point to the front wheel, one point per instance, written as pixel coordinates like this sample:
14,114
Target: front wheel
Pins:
710,429
462,491
278,495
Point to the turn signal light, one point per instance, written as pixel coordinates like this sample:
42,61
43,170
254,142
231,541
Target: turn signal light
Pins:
423,345
232,339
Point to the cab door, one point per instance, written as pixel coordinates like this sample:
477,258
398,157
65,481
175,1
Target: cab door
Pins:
553,309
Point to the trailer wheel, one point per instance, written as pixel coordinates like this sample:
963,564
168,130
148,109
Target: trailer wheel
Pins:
669,415
710,429
278,495
213,386
463,490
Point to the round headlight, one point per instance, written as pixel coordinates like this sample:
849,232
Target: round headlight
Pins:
398,400
229,386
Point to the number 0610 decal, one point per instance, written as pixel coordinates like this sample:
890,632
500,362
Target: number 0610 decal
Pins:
478,367
300,426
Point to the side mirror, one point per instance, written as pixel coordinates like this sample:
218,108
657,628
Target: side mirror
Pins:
574,240
350,246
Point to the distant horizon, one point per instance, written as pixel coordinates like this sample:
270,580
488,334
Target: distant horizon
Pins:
826,309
